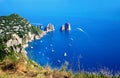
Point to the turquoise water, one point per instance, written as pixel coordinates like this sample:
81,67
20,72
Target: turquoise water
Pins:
92,44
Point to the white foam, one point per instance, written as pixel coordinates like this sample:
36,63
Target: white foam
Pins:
81,29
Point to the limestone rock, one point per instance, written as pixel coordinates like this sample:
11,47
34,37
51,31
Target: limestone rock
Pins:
14,41
67,26
23,51
49,27
62,28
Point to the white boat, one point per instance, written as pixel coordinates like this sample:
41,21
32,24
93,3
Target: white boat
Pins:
53,50
65,54
58,61
31,47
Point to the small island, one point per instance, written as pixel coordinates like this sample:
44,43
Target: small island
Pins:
66,27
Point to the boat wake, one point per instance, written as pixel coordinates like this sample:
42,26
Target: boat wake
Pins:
80,29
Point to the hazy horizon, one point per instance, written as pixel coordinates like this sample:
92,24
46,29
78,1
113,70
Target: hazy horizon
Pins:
98,9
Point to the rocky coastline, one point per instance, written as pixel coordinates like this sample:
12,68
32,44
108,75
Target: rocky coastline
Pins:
15,34
16,40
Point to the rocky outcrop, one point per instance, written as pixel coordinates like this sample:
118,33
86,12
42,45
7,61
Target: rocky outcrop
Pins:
17,32
66,27
49,27
23,52
62,28
15,40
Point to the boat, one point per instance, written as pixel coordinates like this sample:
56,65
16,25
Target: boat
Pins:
65,54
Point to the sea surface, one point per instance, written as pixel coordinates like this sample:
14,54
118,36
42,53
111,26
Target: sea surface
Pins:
91,45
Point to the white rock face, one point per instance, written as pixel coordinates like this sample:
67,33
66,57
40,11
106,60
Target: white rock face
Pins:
17,49
30,37
24,53
25,45
14,41
29,34
49,27
62,28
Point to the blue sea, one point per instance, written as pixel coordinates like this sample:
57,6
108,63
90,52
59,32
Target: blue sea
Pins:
91,44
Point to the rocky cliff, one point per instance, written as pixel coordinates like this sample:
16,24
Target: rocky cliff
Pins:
16,32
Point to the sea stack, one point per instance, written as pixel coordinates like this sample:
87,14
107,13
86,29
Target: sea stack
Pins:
49,27
66,27
62,28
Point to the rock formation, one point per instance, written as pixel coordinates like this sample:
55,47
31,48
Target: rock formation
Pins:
49,27
16,40
66,27
62,28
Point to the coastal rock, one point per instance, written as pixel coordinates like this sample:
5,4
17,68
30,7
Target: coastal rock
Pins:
23,52
40,35
30,37
67,26
62,28
14,41
49,27
25,45
37,36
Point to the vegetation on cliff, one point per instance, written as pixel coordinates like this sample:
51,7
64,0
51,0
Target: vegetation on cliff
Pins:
15,32
14,24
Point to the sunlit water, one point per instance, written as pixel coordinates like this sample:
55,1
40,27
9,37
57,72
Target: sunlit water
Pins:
92,44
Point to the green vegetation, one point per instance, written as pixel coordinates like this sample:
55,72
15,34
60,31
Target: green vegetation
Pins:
16,24
13,63
36,30
2,50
